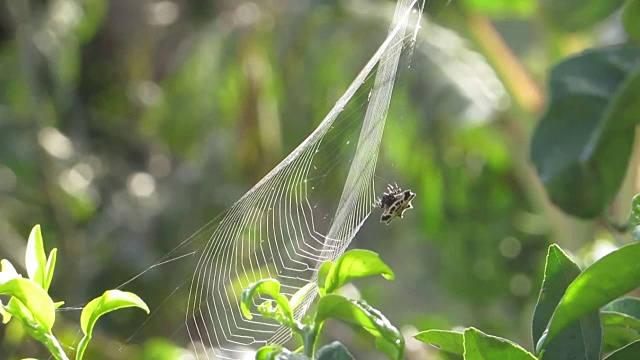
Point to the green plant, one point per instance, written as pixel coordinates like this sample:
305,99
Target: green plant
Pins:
580,314
581,149
32,306
351,265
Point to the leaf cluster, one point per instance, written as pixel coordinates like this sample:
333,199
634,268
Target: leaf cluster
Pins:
332,275
581,149
580,314
31,305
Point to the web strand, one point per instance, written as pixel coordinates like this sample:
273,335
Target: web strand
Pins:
275,229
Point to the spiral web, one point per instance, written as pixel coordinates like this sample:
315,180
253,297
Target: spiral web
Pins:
283,228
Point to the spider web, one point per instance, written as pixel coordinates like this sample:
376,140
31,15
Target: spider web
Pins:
276,229
295,217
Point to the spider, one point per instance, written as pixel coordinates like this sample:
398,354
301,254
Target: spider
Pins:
394,203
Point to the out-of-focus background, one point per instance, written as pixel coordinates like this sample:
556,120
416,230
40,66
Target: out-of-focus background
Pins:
125,126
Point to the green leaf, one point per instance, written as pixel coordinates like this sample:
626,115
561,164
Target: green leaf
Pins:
17,308
616,337
334,351
619,330
607,279
621,321
35,258
480,346
559,272
269,352
298,297
110,301
626,305
450,341
360,313
630,16
574,15
7,271
355,264
270,287
583,337
629,352
34,299
583,142
323,273
613,318
50,267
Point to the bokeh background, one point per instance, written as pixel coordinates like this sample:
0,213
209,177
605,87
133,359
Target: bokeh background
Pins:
125,126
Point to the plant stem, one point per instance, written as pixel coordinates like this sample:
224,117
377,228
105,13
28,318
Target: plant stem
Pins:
309,335
309,341
44,336
82,346
53,345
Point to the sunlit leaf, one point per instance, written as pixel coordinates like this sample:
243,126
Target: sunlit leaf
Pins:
35,258
50,268
583,337
323,273
607,279
241,282
355,264
298,297
613,318
33,297
110,301
270,287
480,346
7,271
361,314
450,341
269,352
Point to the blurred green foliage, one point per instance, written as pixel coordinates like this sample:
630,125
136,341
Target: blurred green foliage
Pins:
125,126
584,141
